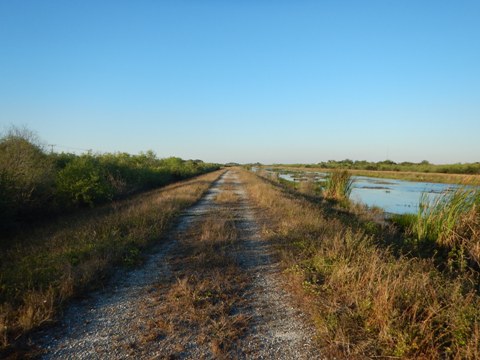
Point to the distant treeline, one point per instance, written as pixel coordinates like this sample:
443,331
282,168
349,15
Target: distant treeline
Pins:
388,165
34,182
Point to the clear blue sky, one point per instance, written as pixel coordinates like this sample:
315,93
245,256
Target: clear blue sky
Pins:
246,81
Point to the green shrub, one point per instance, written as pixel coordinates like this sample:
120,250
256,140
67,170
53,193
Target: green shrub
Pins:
34,183
84,182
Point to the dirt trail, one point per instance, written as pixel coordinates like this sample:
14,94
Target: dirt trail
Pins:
110,323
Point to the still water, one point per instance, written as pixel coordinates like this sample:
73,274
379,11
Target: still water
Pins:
393,196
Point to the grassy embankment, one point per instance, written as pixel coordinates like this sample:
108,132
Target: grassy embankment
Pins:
48,265
365,298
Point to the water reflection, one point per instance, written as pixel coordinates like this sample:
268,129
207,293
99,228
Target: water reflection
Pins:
395,196
392,195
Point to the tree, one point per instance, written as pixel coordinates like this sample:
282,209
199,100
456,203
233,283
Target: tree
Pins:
26,172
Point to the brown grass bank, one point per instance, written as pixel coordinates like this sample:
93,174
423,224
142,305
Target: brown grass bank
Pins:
52,264
365,301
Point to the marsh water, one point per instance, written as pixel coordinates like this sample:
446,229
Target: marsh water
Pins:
395,196
392,195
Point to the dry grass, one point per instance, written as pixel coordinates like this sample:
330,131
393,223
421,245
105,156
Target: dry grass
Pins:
364,301
227,197
208,293
49,265
308,186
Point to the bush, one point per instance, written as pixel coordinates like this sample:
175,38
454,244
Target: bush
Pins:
26,174
84,182
34,183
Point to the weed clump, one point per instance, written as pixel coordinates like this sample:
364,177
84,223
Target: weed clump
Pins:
338,186
450,221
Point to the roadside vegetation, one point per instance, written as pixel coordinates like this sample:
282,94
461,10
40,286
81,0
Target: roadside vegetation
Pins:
68,220
35,184
368,294
51,264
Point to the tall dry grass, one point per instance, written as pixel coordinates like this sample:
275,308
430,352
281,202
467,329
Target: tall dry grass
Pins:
50,265
364,301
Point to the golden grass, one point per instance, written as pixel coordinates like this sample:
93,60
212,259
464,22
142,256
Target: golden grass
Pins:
364,301
49,265
227,197
308,186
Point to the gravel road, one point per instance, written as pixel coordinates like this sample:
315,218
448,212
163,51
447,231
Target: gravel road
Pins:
106,324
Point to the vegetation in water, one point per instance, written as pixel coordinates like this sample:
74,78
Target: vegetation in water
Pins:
338,186
448,226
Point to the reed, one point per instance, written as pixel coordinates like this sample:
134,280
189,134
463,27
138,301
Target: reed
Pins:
338,186
451,220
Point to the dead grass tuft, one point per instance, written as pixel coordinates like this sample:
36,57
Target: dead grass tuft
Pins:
38,307
227,197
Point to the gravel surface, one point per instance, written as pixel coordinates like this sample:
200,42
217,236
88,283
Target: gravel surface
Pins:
278,330
109,323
